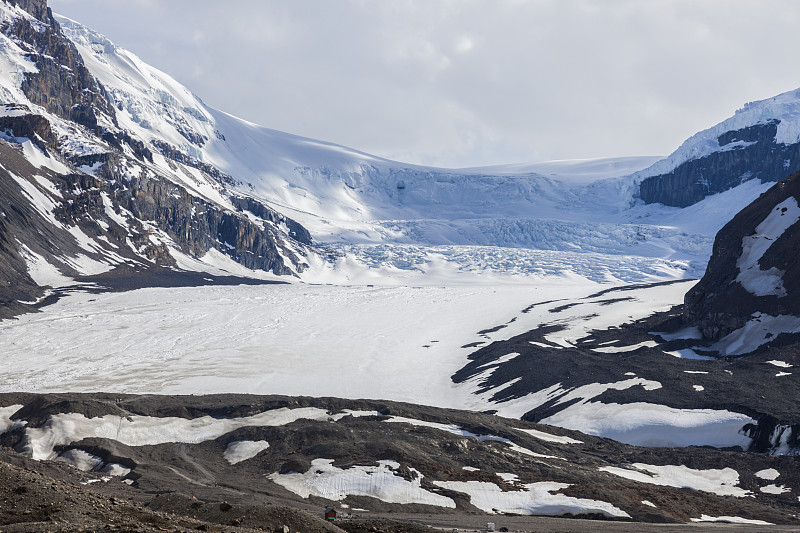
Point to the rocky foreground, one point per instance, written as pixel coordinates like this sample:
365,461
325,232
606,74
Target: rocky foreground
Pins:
179,463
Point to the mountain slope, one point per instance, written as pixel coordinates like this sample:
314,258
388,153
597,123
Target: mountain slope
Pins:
750,294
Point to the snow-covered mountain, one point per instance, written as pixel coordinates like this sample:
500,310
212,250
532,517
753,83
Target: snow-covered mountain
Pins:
86,197
760,141
204,184
384,215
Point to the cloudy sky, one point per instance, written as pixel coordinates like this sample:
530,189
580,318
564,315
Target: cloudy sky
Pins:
468,82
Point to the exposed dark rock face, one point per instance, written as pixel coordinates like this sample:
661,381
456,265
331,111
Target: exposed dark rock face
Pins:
62,84
198,226
296,231
719,303
755,156
37,8
34,127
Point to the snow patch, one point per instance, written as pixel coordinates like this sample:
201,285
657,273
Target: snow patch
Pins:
81,460
548,437
751,276
116,470
242,450
6,424
781,364
770,474
39,159
722,482
42,272
381,482
63,429
623,349
456,430
774,489
692,332
759,330
688,353
533,498
731,520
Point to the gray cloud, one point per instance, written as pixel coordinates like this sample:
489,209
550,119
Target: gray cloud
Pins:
467,82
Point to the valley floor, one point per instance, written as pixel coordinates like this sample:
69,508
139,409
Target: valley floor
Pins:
397,343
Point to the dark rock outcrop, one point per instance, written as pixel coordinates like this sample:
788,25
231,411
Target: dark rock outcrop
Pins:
719,303
62,84
756,155
37,8
34,127
172,153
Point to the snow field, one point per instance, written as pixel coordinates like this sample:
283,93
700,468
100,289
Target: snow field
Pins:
648,424
723,482
400,343
597,313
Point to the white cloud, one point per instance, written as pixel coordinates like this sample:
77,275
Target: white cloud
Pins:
467,82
